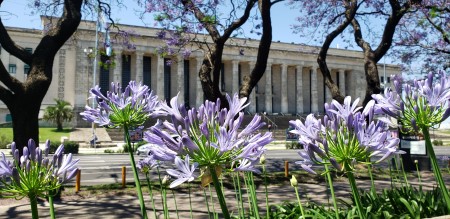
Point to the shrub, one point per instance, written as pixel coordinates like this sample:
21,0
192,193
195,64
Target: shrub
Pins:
109,151
438,142
4,141
69,147
293,145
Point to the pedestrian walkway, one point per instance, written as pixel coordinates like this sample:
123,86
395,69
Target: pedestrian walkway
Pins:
124,204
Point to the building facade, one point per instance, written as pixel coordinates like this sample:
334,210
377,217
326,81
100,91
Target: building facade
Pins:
292,83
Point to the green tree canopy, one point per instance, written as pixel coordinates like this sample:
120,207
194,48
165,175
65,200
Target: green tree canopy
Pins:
59,113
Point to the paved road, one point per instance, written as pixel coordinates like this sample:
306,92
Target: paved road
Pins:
107,168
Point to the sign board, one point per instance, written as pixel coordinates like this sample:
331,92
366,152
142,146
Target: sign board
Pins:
291,136
415,147
136,135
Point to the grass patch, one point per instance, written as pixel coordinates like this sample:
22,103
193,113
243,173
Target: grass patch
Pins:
44,134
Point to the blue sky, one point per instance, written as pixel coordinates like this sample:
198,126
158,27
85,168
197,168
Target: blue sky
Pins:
17,14
22,17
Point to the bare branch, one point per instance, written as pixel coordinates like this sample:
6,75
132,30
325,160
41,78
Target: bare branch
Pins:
11,47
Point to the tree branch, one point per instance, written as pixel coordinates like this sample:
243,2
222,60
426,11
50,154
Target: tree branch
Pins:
263,51
14,85
65,27
238,22
351,8
11,47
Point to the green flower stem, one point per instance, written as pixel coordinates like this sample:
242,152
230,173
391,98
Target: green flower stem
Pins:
352,181
330,184
434,164
50,202
33,205
253,194
265,190
404,173
175,201
190,200
240,194
220,196
299,202
206,201
372,183
164,198
150,189
236,193
161,190
135,174
418,175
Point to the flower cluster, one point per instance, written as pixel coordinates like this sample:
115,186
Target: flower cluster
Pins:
209,136
34,173
424,105
131,107
345,136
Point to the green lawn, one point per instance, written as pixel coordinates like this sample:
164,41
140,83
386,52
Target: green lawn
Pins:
44,134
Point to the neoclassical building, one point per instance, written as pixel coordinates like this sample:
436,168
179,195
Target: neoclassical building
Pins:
292,83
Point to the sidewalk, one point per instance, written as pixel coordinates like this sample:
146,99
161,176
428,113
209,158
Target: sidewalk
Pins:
124,203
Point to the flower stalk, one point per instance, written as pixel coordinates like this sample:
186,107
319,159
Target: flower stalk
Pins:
355,192
135,173
33,205
435,166
220,196
330,184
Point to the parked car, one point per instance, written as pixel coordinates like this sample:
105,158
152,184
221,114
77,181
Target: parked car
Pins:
144,149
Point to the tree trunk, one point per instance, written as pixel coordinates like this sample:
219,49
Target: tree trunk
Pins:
24,113
373,83
210,85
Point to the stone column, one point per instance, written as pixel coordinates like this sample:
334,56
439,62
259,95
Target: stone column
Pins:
180,76
284,89
314,91
268,91
139,67
235,77
160,76
252,107
199,100
342,81
118,68
299,71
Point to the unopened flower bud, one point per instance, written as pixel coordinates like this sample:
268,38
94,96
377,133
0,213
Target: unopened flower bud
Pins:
165,180
262,159
416,161
16,176
294,182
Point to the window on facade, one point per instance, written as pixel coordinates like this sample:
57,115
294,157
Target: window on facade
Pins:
388,79
382,79
29,50
26,69
12,68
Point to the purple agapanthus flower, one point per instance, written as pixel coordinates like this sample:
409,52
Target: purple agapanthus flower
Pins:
184,172
209,135
344,137
131,106
147,164
424,104
35,171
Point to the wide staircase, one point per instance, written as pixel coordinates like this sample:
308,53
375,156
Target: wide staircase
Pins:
279,124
